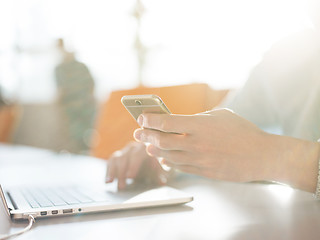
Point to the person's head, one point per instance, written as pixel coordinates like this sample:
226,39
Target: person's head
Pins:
60,44
67,56
2,101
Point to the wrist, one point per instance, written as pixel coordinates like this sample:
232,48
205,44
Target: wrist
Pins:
295,162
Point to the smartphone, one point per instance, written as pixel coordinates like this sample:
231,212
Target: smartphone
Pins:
138,104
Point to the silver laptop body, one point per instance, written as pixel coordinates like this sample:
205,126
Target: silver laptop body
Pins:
20,202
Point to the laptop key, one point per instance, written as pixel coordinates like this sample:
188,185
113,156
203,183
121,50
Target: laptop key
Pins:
68,198
95,196
19,200
40,198
33,203
79,196
54,198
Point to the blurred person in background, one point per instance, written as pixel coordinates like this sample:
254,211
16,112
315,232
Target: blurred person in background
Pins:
2,102
75,86
283,91
2,116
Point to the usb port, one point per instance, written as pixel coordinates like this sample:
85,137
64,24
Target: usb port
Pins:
67,211
43,213
54,212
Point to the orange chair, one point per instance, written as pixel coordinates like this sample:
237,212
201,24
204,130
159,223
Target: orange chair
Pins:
8,116
115,125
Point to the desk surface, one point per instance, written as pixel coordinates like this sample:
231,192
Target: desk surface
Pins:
220,210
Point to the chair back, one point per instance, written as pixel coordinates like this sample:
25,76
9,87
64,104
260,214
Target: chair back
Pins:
8,117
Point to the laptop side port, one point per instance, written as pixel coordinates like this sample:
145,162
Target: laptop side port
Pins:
43,213
54,212
67,211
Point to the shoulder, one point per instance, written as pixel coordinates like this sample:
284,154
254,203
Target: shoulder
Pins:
294,49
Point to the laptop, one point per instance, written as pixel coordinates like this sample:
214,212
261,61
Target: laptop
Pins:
40,202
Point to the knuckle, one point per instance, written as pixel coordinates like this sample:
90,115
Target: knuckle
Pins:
163,143
121,163
154,138
225,111
110,165
166,125
131,174
201,148
148,120
153,150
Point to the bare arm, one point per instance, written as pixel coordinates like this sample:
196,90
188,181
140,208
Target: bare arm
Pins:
297,162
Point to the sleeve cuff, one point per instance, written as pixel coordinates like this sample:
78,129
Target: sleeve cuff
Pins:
317,193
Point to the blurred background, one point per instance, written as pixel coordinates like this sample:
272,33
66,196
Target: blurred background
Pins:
120,45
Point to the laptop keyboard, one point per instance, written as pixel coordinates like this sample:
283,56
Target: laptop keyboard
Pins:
61,196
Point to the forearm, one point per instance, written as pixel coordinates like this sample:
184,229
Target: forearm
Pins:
295,162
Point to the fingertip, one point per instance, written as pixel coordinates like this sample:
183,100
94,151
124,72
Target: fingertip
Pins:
108,179
162,161
149,153
151,150
137,134
163,180
140,120
131,175
121,185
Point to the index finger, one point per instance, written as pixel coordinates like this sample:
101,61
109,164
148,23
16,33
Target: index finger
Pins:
171,123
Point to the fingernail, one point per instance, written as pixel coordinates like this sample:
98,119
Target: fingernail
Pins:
162,161
163,179
108,179
140,120
137,135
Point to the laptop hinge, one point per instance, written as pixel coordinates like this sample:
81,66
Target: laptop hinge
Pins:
4,201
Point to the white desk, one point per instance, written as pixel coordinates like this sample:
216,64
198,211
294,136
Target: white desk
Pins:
220,210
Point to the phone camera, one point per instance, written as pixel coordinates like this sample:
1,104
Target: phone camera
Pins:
138,102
